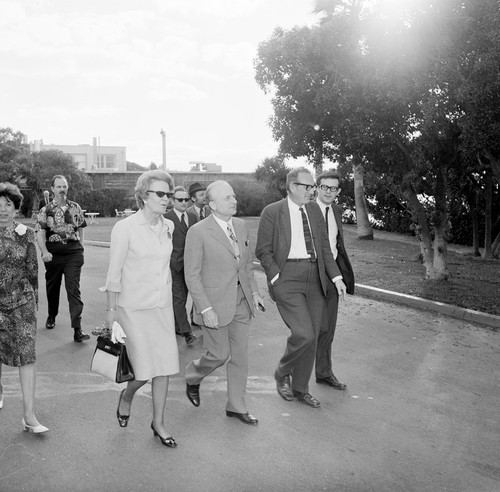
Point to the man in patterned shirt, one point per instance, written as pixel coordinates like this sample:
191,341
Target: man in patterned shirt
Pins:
60,237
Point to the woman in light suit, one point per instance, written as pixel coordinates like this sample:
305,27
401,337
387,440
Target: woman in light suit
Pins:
139,296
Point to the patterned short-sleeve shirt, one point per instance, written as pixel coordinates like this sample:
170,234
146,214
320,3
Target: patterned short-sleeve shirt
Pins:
61,223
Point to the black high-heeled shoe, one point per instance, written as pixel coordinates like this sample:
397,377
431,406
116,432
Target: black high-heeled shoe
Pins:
122,419
166,441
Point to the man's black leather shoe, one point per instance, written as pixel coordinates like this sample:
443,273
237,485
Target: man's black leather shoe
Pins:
283,386
307,399
190,338
193,394
333,382
79,336
50,323
246,418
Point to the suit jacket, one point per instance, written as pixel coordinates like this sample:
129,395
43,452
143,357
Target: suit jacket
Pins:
139,263
212,271
43,203
342,259
178,240
274,240
194,216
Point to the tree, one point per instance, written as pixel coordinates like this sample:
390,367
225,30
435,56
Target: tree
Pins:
273,172
12,151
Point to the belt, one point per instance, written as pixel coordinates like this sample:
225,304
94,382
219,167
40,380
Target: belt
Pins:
298,260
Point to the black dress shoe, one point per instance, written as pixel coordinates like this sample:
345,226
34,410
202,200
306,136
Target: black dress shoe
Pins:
50,323
190,338
122,419
333,382
79,336
246,418
307,399
283,386
193,394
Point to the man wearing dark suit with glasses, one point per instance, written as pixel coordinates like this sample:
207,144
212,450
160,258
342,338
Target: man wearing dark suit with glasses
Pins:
294,251
328,186
182,222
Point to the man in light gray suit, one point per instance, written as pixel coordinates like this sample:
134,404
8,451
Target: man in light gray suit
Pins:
219,275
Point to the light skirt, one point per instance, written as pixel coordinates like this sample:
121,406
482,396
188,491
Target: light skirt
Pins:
151,342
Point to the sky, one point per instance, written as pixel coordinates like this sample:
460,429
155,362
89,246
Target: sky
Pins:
123,70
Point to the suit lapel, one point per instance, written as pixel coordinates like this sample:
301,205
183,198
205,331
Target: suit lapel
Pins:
285,224
218,234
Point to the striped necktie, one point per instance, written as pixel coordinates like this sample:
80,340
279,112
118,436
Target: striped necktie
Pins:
234,242
307,234
202,215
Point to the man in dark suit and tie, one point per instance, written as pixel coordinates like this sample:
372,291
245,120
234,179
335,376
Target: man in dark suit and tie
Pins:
293,249
45,200
328,185
219,275
199,209
182,221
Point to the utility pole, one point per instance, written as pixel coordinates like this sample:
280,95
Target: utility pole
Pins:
164,149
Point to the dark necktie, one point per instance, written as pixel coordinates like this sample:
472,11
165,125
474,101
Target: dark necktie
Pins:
202,216
326,220
183,220
307,234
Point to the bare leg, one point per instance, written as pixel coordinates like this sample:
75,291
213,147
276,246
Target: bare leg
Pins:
27,376
128,396
160,391
1,387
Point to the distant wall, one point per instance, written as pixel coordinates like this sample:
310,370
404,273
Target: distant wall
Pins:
126,181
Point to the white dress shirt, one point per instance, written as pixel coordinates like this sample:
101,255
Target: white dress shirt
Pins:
298,243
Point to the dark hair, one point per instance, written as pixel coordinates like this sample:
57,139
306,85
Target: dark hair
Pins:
328,175
12,193
292,176
145,180
57,176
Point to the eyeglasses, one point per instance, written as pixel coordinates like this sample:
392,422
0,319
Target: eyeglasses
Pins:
161,194
308,187
182,199
329,188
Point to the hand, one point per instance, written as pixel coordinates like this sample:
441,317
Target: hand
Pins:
341,289
47,257
210,319
257,300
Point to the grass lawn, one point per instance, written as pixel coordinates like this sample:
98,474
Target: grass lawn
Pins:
388,262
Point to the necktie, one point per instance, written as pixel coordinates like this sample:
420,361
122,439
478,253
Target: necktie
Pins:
326,219
183,220
234,242
307,234
202,215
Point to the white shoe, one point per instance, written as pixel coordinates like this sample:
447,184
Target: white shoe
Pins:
36,429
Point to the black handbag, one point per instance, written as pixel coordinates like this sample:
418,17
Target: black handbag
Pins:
111,360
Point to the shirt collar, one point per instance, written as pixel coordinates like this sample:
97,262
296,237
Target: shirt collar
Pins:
293,206
223,223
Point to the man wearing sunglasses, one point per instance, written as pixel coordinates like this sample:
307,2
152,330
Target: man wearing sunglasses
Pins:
182,222
328,186
293,248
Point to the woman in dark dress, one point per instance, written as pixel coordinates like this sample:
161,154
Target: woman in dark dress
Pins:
18,301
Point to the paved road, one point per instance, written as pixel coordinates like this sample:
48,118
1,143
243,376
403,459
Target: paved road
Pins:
420,413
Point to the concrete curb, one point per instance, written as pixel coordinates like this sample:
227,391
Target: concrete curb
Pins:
415,302
428,305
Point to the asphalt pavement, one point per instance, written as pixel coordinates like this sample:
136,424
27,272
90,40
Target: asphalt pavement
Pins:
420,412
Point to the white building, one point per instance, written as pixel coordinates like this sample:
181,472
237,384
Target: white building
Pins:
93,158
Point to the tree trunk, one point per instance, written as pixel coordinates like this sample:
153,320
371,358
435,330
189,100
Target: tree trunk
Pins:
488,252
495,247
365,230
475,226
318,156
422,228
440,227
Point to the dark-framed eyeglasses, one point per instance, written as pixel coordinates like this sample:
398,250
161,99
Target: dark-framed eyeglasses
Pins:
333,189
307,187
161,194
182,199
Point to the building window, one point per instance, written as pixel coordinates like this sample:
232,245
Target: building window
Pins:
106,161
